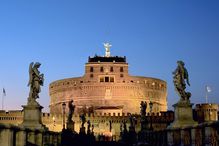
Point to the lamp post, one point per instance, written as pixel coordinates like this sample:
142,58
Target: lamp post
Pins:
151,106
63,110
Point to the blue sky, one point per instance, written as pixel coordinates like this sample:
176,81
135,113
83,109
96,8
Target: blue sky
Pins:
152,34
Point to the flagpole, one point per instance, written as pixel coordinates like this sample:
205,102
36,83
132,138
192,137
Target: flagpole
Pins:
2,101
206,97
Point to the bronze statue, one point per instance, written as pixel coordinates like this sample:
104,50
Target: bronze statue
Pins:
71,108
83,119
132,120
180,75
143,108
88,127
35,80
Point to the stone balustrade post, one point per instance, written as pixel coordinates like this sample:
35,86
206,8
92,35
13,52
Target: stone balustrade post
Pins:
31,137
211,136
170,137
6,137
185,137
21,138
193,138
39,138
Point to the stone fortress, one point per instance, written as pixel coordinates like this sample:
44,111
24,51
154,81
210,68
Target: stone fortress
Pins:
106,87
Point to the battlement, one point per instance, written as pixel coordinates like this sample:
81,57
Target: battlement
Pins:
107,59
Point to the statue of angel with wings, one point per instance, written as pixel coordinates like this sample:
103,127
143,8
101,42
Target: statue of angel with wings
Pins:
180,75
35,80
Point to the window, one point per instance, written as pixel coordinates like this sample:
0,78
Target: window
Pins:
91,75
121,69
101,69
106,79
101,79
121,75
111,79
111,69
91,69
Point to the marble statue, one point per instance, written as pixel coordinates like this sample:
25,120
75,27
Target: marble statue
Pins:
35,80
71,108
179,76
107,46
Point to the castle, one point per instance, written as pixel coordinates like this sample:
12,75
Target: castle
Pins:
107,88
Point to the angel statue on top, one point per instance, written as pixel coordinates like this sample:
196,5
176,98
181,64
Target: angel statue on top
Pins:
179,77
35,80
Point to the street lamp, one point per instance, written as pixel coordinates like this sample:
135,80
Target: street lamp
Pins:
151,106
63,110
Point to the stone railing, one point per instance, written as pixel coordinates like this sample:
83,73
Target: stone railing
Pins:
202,134
11,135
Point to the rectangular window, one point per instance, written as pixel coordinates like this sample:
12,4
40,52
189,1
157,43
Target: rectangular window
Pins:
91,69
106,79
111,69
101,79
101,69
111,79
121,69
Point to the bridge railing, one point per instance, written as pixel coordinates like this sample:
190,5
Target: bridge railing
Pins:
11,135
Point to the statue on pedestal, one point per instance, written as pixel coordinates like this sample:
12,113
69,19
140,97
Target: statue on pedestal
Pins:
179,77
32,117
133,121
71,108
88,127
83,120
183,113
70,122
143,115
143,108
35,81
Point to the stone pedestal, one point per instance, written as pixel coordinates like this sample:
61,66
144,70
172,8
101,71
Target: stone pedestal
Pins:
71,125
183,115
32,117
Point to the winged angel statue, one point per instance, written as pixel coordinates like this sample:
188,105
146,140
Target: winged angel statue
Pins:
180,75
35,80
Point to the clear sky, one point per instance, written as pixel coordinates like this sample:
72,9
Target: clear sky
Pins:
152,34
